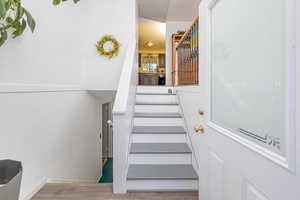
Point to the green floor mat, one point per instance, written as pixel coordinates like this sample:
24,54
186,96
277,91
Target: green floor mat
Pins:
107,172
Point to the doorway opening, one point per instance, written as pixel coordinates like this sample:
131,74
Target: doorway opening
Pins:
175,25
107,144
152,54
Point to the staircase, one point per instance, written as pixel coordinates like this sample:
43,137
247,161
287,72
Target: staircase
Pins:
159,157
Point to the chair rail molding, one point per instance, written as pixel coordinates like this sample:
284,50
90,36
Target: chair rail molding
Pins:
29,88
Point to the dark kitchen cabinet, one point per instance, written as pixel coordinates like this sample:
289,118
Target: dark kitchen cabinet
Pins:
162,60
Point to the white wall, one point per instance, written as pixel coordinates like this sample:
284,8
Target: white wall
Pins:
48,120
116,17
54,134
53,54
172,27
62,49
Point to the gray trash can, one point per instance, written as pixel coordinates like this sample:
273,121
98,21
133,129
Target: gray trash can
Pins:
10,179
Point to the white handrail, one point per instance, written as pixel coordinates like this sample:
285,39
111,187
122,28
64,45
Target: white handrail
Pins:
121,101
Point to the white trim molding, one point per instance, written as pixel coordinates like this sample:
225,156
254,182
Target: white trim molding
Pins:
27,88
276,158
62,180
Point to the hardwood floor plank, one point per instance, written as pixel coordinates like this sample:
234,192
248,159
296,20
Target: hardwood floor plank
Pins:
76,191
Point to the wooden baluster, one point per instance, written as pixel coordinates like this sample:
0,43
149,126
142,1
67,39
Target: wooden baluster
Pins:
193,53
197,52
188,56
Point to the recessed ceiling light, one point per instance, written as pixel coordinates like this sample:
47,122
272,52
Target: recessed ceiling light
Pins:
149,44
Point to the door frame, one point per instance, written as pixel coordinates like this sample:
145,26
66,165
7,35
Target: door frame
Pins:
109,129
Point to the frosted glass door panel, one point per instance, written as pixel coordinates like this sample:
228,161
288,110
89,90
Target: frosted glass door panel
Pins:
248,77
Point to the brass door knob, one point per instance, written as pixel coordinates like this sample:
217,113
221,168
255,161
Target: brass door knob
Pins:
200,111
199,129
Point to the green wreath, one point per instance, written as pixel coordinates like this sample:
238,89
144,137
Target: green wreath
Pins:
108,46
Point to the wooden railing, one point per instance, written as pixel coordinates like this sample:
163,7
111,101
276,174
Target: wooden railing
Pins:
188,56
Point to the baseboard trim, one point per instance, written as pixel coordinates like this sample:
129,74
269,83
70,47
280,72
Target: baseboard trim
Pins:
35,190
61,180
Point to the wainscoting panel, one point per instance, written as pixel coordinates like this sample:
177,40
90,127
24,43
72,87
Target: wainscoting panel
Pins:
215,177
252,193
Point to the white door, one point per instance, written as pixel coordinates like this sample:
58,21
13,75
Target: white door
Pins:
250,88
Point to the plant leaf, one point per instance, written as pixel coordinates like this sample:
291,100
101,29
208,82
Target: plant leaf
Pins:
3,37
8,4
56,2
9,20
2,8
17,27
23,26
20,28
21,12
30,21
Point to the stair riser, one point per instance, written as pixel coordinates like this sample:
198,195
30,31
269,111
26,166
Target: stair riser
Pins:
160,159
157,109
158,138
160,130
156,99
158,122
162,185
149,89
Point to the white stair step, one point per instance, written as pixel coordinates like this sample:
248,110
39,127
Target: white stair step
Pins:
167,99
154,89
157,109
160,158
156,148
154,93
158,134
157,103
157,115
162,185
158,138
158,121
160,153
159,130
161,172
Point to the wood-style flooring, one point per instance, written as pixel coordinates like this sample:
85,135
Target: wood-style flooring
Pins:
76,191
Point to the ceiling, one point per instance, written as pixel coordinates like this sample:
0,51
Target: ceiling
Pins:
168,10
152,32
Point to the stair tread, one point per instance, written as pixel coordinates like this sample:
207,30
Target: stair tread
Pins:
155,148
157,103
158,130
158,115
145,93
161,172
155,86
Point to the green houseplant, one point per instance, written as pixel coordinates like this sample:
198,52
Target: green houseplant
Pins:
14,19
57,2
